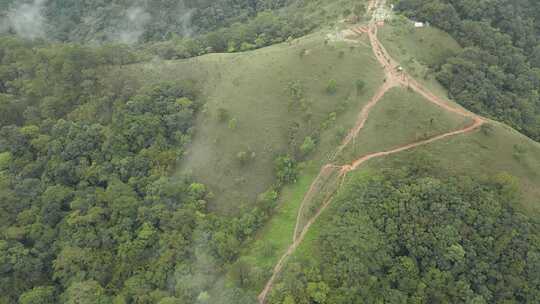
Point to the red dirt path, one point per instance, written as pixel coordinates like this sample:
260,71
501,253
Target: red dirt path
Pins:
393,78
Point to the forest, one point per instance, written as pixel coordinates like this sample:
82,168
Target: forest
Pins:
130,21
414,236
498,71
90,208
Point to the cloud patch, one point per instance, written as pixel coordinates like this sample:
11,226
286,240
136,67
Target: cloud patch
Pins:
132,26
27,20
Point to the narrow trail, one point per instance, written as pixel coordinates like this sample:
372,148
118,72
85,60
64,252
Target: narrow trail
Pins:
363,116
393,78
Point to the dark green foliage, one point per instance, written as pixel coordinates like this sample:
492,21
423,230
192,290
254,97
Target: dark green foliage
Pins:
332,87
360,85
497,73
38,295
286,170
409,238
85,21
308,146
90,211
264,29
222,115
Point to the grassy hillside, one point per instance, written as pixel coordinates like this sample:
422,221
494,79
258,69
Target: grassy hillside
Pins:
496,149
403,117
400,117
481,154
418,49
249,108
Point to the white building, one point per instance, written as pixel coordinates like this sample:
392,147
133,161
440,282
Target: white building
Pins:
419,24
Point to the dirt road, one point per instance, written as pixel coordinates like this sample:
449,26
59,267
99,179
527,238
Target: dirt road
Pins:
394,77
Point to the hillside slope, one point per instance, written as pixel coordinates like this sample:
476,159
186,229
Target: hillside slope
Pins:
265,103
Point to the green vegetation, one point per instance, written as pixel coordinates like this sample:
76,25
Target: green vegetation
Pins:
418,50
496,73
484,154
400,118
90,206
173,170
408,235
278,100
274,238
263,30
85,21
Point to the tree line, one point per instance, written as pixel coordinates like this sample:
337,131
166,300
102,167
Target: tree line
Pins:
410,236
498,71
155,20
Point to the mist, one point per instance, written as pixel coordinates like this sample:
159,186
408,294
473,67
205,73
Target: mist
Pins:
136,22
27,20
132,26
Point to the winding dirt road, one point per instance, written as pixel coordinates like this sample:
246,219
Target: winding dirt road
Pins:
393,78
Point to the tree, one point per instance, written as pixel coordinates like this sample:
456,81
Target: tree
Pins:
307,146
286,170
171,300
289,300
86,292
318,292
331,87
203,298
39,295
223,115
233,123
359,9
241,273
360,85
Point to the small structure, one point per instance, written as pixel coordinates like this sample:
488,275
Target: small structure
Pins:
419,24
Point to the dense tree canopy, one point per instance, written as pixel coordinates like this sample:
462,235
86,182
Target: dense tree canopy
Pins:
405,238
132,21
90,210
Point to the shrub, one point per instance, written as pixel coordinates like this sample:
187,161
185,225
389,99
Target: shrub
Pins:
360,85
331,88
308,146
222,115
286,170
245,157
233,123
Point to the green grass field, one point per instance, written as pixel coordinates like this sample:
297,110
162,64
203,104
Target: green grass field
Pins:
252,88
417,49
401,117
495,149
